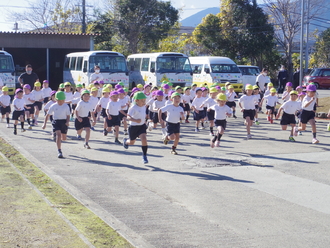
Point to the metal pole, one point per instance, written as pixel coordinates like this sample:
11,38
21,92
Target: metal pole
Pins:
47,63
302,41
83,26
307,34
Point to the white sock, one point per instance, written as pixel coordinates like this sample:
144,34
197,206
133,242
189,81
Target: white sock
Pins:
164,131
36,117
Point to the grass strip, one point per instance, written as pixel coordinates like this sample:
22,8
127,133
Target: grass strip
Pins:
91,226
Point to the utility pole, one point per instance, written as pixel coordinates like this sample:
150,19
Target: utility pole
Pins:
307,34
83,26
301,74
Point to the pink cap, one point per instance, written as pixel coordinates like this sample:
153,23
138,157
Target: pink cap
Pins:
18,90
166,86
159,93
121,91
118,86
53,92
146,85
288,84
45,81
26,86
299,87
302,93
101,82
113,93
311,87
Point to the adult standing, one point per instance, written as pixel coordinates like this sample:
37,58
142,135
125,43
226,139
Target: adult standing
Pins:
282,78
28,77
261,81
296,78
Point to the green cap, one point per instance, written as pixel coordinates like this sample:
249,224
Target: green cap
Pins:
186,88
175,94
60,95
121,84
177,87
61,86
139,95
170,84
85,92
79,86
125,89
223,88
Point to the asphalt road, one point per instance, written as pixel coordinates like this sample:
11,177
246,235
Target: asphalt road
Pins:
263,192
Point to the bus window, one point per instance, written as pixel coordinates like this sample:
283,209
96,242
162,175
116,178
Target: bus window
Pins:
137,64
197,69
6,64
152,66
73,63
85,66
145,64
66,64
173,64
108,63
79,64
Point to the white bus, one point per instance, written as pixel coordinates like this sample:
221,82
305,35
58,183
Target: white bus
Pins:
7,71
219,70
79,66
154,68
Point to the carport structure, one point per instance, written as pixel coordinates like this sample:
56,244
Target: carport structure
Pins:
44,51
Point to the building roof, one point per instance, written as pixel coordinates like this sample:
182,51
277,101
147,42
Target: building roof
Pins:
48,33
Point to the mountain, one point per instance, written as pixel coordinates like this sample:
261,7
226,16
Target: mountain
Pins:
194,20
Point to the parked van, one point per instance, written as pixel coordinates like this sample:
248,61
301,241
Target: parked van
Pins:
216,70
79,66
154,68
250,73
7,71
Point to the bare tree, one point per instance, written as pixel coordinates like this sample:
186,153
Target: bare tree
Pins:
286,18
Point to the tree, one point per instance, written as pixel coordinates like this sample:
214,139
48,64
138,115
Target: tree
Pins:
104,27
321,55
140,24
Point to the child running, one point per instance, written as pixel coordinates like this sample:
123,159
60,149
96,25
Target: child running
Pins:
257,103
46,90
159,103
290,109
124,103
47,106
5,105
174,114
18,113
308,113
221,112
246,103
101,106
136,115
198,110
231,94
29,107
271,101
61,118
83,110
39,98
209,102
186,102
286,93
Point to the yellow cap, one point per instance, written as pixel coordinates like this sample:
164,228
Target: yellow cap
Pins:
227,83
248,87
230,87
213,90
4,88
139,86
106,89
37,84
270,84
273,90
109,86
293,92
222,97
67,83
255,87
94,89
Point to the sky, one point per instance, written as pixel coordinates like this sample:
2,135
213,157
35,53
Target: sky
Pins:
189,7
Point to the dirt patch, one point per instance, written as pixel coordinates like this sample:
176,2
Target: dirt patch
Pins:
324,105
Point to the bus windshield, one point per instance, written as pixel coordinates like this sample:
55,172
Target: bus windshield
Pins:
6,64
224,68
173,64
108,63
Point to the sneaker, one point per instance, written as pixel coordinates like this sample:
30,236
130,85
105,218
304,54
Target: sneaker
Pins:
60,155
15,131
145,159
105,132
114,133
92,128
165,140
117,142
124,143
23,130
295,131
291,138
36,123
197,130
30,127
211,134
299,133
79,137
235,116
125,132
54,137
212,144
187,121
217,143
268,118
173,151
271,121
87,146
315,141
249,136
71,118
150,126
257,123
8,126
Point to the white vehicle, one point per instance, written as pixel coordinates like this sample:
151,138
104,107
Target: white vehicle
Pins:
7,71
250,73
78,67
154,68
210,70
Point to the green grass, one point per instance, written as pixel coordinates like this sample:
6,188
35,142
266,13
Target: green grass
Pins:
94,229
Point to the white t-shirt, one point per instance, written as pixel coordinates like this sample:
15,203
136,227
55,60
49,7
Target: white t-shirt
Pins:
96,76
310,106
185,99
150,103
209,102
26,98
168,102
48,104
76,97
291,107
68,97
103,102
285,96
5,100
158,104
124,102
271,100
173,113
113,108
197,102
248,102
267,92
83,108
262,81
137,112
93,100
221,111
59,112
38,95
231,96
46,91
257,99
19,103
192,94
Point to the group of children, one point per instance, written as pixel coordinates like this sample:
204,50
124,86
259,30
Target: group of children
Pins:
148,105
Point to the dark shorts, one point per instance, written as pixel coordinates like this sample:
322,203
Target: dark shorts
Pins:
46,99
288,119
17,114
135,131
271,108
221,123
231,104
210,115
31,109
151,115
306,116
172,128
205,111
80,125
249,113
74,106
5,110
186,107
104,113
121,116
38,104
155,117
199,116
115,121
59,125
256,107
